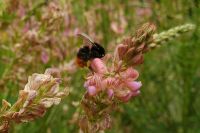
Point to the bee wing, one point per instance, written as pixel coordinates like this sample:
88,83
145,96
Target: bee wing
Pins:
86,38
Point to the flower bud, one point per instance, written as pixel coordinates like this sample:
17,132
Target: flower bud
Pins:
121,50
139,59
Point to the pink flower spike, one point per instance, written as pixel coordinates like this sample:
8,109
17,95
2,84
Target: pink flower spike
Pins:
91,90
98,66
134,85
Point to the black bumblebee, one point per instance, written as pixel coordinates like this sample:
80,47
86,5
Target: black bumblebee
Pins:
90,51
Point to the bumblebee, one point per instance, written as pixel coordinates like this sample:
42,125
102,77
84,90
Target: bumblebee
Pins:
90,51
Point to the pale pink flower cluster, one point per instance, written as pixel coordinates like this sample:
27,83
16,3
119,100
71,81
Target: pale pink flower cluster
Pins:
40,93
121,85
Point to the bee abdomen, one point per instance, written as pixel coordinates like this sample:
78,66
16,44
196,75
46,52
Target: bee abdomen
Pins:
84,53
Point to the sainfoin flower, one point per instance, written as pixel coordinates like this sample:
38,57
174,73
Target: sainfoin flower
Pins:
121,85
118,80
114,80
41,92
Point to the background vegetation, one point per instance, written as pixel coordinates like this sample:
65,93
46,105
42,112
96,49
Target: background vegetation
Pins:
169,101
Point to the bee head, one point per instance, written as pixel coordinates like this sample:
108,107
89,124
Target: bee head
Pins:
97,51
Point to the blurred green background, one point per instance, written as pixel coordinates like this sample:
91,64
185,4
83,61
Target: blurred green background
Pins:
169,101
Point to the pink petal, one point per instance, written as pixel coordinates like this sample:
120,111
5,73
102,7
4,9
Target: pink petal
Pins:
22,11
134,85
126,98
98,66
92,90
117,28
76,31
86,84
143,12
130,73
129,96
110,93
44,57
134,94
26,27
